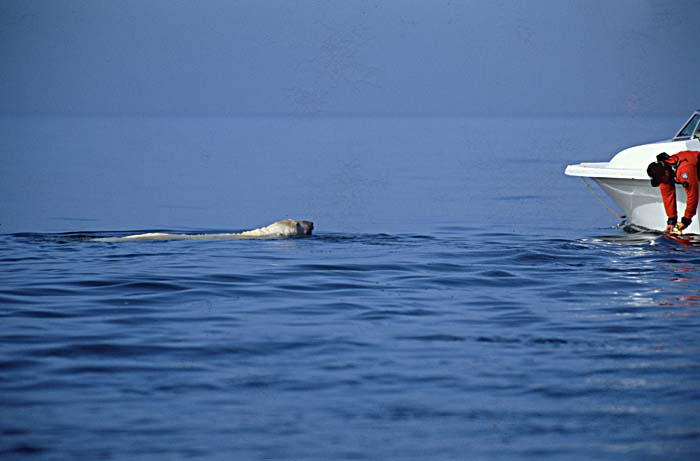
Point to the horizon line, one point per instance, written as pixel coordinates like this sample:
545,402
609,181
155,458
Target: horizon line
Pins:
339,114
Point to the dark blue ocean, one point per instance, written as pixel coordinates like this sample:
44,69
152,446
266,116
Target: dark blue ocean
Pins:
460,297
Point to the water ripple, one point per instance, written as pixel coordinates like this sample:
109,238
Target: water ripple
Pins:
547,340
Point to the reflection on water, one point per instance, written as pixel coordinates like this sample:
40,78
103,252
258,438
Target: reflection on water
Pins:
685,286
676,275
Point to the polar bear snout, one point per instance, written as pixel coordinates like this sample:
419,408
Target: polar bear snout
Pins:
304,227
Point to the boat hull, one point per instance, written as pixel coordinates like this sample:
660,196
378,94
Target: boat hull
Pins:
641,203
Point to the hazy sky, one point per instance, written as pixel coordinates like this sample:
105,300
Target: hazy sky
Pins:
349,56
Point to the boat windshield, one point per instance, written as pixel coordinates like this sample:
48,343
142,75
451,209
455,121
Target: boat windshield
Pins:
690,129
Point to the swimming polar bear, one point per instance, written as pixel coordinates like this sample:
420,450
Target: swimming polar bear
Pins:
279,229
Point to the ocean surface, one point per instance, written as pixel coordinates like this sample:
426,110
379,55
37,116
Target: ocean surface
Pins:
460,297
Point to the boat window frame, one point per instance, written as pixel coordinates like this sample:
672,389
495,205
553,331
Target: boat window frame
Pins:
678,136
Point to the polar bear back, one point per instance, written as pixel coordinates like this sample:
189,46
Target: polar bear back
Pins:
279,229
284,228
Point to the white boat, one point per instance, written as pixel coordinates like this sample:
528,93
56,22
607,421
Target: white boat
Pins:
624,178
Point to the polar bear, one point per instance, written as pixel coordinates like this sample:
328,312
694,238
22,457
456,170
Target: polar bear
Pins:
279,229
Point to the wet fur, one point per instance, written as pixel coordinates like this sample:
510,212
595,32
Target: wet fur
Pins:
279,229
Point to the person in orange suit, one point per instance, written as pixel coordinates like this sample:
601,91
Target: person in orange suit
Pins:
665,173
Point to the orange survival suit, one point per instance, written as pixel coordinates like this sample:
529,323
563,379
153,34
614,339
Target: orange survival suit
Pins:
685,167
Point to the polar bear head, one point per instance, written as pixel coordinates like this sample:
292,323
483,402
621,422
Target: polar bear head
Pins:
304,227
